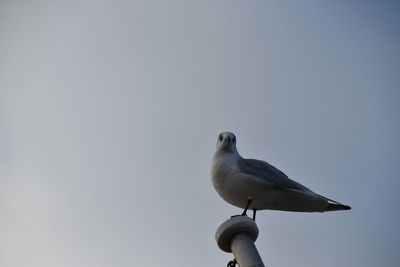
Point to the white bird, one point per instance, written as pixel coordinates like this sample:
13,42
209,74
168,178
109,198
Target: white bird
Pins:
255,184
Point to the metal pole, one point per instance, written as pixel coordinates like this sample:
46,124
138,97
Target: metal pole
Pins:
237,235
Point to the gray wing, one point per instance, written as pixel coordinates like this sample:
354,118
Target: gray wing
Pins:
269,173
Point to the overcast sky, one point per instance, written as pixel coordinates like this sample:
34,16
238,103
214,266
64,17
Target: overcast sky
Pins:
110,112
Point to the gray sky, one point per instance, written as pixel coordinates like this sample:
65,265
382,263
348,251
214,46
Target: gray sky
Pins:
110,111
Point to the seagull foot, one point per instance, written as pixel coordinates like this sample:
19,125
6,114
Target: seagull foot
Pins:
233,216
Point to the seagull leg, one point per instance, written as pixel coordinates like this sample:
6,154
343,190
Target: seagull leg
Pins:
244,213
254,214
247,206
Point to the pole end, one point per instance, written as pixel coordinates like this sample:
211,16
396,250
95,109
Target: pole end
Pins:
228,229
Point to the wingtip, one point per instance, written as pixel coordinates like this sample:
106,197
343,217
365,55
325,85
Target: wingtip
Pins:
333,207
346,207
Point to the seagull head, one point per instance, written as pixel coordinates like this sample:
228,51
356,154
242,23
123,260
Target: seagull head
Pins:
226,142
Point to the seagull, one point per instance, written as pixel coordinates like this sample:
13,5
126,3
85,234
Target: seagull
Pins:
257,185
